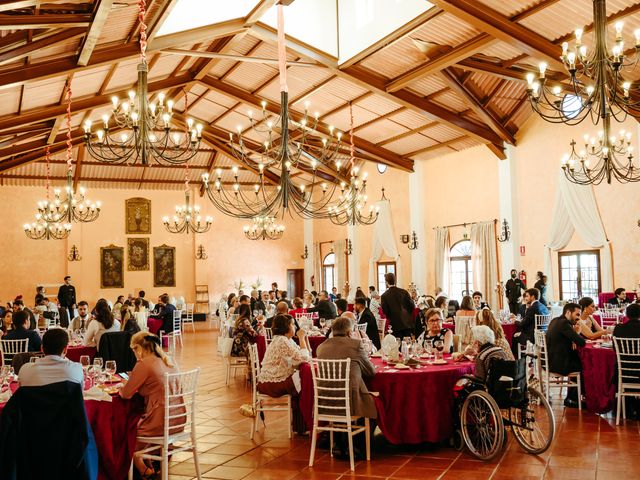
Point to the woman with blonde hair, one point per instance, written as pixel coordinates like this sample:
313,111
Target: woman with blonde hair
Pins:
147,379
486,317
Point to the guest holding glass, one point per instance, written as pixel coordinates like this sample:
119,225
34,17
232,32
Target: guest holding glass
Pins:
279,373
147,380
588,326
433,330
104,322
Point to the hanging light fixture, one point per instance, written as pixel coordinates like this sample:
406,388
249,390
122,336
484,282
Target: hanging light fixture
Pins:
264,228
296,148
187,218
353,197
71,205
139,128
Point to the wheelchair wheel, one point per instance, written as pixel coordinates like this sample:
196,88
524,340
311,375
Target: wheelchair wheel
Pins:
457,442
533,424
482,427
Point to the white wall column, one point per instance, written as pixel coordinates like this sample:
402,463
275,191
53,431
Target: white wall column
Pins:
417,221
353,234
509,251
310,260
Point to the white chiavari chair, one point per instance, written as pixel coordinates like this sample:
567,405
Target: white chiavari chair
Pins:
550,379
179,423
331,405
609,318
188,319
362,327
268,335
10,347
231,364
542,322
265,403
628,364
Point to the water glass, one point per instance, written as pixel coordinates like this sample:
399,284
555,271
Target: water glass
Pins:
85,361
110,367
97,362
322,322
428,346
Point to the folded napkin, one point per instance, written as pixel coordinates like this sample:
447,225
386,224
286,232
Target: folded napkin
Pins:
95,393
5,396
401,366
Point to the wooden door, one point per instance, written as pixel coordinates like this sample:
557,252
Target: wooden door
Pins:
295,282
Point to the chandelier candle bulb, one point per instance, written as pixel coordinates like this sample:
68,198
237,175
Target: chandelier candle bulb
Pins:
543,69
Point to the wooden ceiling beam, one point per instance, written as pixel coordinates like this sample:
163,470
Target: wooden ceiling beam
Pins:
10,176
476,105
91,40
385,156
20,138
400,136
27,49
95,163
29,22
460,52
501,27
437,146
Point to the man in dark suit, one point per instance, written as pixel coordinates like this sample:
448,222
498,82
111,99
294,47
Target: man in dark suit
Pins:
527,326
67,296
341,346
364,315
323,307
513,289
619,300
398,307
562,339
631,329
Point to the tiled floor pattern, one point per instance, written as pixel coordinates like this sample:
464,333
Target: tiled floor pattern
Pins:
586,446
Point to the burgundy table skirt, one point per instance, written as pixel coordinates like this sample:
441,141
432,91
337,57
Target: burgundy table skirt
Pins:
598,371
154,325
604,297
596,317
414,406
74,353
261,342
509,330
114,425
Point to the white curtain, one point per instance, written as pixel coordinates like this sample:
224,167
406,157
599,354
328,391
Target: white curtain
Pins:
317,267
341,264
384,241
576,210
441,257
484,260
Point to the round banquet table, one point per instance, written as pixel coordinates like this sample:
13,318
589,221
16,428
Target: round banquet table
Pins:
261,342
623,318
74,353
114,425
414,406
509,329
598,371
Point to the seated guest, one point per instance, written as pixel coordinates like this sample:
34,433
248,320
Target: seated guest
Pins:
341,346
145,302
147,380
138,305
478,304
81,322
117,307
18,305
244,300
323,307
619,300
467,309
53,367
299,307
562,340
364,315
38,311
19,331
307,300
233,306
128,320
261,304
243,333
442,303
7,319
341,306
434,331
283,298
104,322
631,329
165,313
587,326
279,372
487,318
484,344
527,325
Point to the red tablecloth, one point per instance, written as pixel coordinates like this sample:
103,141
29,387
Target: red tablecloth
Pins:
114,426
598,370
74,353
508,328
596,317
604,297
261,342
414,406
154,325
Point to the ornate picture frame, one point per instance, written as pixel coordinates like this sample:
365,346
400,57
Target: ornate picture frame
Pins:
137,254
164,266
137,214
111,267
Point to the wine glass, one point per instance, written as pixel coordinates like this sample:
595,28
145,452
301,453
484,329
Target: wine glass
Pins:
428,346
97,362
85,361
110,368
439,344
322,323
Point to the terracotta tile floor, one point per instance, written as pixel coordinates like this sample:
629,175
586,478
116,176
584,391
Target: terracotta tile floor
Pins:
586,447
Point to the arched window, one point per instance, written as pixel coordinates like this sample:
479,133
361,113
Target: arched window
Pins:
461,271
329,272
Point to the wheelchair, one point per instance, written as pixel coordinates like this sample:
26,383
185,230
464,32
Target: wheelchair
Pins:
484,410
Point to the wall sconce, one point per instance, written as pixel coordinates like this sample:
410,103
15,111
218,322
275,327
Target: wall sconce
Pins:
505,234
201,254
348,247
74,254
305,255
413,244
404,239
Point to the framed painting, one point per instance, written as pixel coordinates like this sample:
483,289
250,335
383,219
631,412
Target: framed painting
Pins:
164,266
137,216
137,254
111,267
